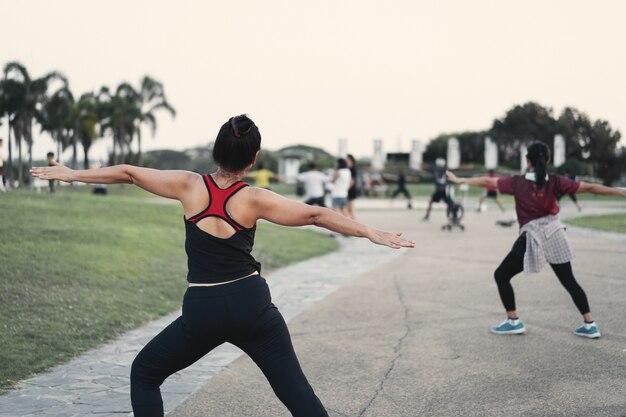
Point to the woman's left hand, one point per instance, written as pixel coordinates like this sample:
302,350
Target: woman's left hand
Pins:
393,239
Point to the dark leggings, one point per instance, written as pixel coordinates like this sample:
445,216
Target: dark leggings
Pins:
240,313
513,264
401,190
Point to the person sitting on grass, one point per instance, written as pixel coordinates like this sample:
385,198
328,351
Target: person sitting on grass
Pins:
542,236
227,300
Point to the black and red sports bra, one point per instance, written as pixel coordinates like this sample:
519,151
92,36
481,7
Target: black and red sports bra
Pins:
211,259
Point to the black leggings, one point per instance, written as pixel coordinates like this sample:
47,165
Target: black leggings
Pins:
513,264
241,313
401,190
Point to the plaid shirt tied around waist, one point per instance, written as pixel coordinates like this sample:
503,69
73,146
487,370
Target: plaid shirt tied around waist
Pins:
545,242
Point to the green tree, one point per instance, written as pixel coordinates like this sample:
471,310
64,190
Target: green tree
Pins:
12,97
55,118
35,91
150,99
86,110
522,125
118,114
594,142
471,146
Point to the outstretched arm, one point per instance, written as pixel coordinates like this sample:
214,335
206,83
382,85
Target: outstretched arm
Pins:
586,187
169,184
477,181
280,210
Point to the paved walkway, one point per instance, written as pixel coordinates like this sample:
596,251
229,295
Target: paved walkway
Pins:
97,383
411,338
407,338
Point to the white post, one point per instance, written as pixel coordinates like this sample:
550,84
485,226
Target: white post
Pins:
522,151
559,151
342,145
454,155
491,154
415,158
378,160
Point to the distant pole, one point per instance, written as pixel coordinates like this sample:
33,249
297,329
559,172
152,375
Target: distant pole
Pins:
559,151
415,158
491,154
454,154
522,153
342,147
378,160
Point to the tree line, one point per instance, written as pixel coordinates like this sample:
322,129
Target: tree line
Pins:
591,146
72,120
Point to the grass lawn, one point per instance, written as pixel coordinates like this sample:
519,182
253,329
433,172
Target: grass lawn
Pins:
77,270
608,222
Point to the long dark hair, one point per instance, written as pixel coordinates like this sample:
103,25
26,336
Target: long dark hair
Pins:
237,143
539,155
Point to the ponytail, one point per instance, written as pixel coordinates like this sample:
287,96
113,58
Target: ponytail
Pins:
540,171
539,154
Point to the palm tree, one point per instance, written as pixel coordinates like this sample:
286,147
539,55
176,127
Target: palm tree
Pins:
86,121
12,98
119,112
34,91
55,117
151,99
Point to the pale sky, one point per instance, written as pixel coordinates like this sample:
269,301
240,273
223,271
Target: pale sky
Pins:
312,72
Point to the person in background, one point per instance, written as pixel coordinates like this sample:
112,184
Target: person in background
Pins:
401,189
227,299
490,192
51,162
441,187
262,176
353,190
314,185
541,237
340,186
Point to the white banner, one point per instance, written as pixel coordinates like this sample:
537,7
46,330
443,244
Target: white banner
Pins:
378,160
559,151
342,146
415,158
491,154
454,153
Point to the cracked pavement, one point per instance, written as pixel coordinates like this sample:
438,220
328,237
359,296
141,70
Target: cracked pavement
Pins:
411,338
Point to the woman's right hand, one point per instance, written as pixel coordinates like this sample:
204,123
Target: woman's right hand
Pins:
55,172
391,239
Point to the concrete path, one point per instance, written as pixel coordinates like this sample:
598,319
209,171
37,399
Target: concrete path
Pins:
407,338
411,338
97,382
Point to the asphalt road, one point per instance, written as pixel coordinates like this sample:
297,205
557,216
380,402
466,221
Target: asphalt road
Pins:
411,337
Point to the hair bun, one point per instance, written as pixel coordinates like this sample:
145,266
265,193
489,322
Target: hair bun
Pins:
241,125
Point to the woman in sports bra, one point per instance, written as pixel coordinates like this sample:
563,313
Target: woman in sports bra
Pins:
227,299
542,236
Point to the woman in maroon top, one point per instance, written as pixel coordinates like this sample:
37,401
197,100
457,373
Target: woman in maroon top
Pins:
542,237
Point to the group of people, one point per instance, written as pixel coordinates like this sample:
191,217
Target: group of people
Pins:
341,185
227,299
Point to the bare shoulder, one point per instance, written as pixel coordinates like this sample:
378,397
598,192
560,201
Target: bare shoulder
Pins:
195,198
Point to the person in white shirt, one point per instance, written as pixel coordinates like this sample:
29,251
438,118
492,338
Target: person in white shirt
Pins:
341,183
314,181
